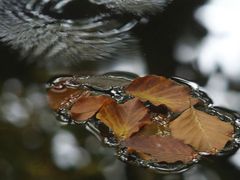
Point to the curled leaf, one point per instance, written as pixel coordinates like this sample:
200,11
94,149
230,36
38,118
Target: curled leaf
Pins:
161,149
206,133
124,119
162,91
87,106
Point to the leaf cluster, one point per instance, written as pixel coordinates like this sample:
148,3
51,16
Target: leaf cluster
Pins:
160,123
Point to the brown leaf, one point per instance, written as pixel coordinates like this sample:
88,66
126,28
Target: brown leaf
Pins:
160,90
87,106
58,96
124,119
161,149
206,133
154,129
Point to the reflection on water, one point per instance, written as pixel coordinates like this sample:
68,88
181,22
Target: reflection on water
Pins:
202,173
46,29
69,31
29,133
235,159
135,7
223,95
17,105
221,47
66,152
219,50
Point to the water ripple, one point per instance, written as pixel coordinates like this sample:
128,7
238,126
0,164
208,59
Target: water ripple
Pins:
52,30
137,7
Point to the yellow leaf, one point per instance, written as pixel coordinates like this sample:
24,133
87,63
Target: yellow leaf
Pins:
124,119
206,133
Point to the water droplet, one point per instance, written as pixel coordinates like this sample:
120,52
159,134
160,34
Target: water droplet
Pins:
63,117
238,122
237,140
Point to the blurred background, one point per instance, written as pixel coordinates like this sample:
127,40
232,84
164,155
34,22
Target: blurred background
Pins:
196,40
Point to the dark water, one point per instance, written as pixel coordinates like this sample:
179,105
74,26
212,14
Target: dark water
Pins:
33,145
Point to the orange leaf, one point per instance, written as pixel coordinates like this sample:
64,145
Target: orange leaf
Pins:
160,90
124,119
160,149
57,97
87,106
206,133
154,129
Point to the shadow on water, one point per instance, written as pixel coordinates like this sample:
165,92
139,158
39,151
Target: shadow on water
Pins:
32,143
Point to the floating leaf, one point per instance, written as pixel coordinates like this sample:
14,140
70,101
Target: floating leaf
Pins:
206,133
87,106
149,130
154,129
58,96
162,91
124,119
161,149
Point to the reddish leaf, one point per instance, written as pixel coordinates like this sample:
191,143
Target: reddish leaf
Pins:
160,149
87,106
124,119
58,96
204,132
160,90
